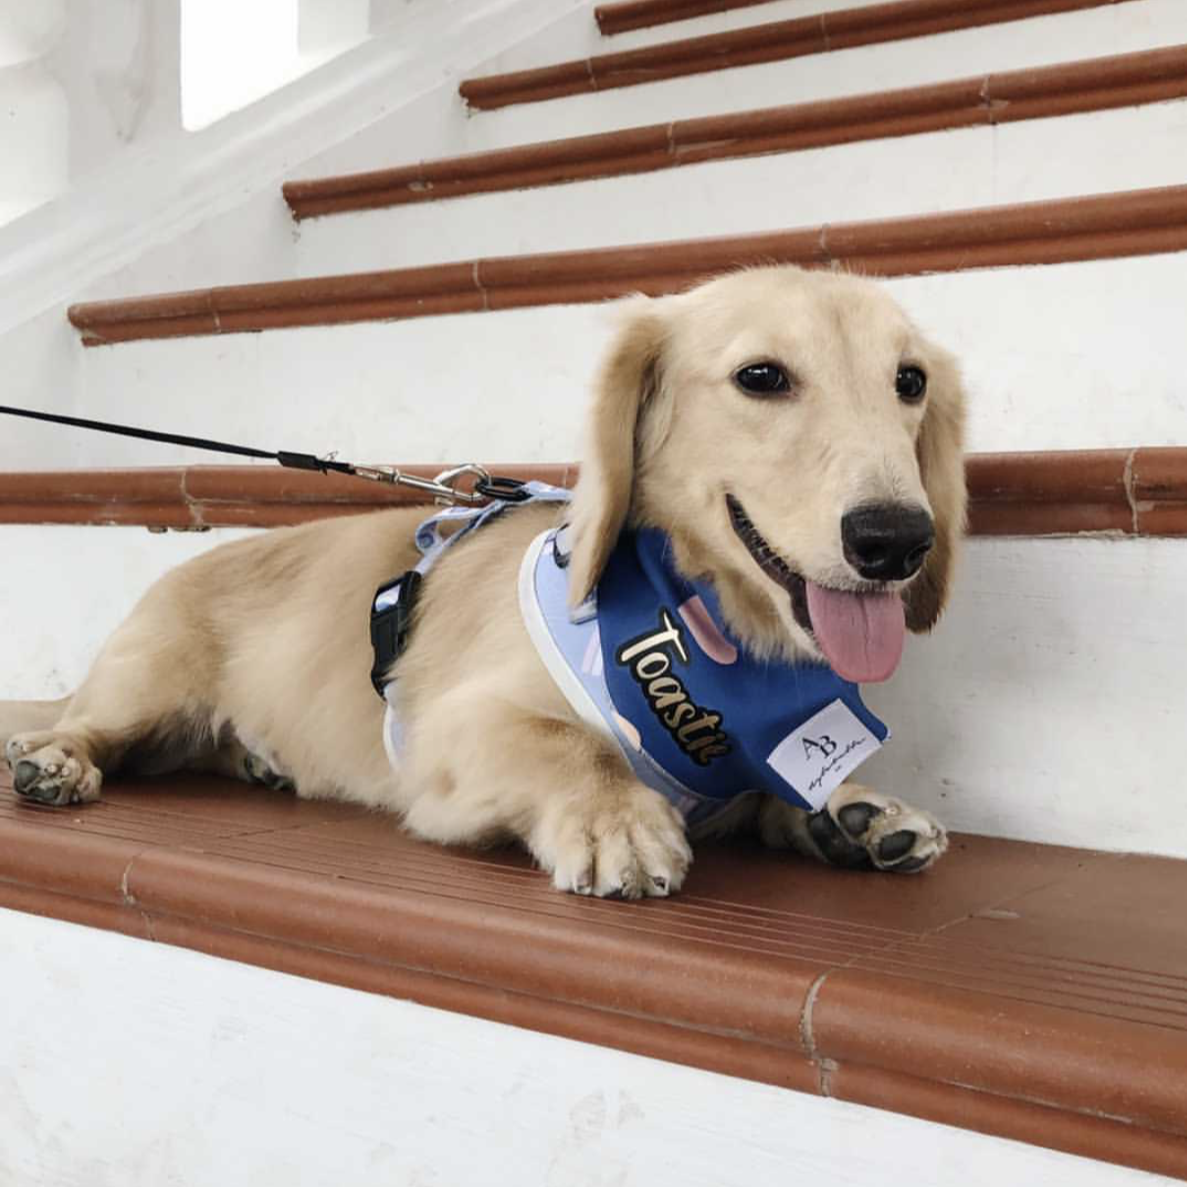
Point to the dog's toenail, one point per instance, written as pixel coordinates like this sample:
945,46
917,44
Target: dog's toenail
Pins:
855,818
24,775
896,845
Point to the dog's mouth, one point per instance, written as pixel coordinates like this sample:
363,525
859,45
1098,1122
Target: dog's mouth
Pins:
860,633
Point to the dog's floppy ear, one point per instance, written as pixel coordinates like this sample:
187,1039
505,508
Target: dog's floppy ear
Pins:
629,377
941,466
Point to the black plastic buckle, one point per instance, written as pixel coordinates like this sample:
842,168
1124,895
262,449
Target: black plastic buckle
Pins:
391,623
506,490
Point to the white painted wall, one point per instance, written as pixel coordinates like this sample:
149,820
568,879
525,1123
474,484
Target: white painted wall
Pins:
201,1072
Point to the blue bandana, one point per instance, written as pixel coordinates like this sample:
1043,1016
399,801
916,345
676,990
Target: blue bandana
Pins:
647,661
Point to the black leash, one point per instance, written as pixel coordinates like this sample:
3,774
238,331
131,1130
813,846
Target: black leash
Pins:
442,486
295,461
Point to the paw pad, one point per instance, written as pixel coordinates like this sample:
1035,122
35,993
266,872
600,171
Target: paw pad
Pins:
25,775
896,846
855,818
46,772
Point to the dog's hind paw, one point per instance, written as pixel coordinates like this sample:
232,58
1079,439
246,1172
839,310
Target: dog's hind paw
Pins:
47,770
628,844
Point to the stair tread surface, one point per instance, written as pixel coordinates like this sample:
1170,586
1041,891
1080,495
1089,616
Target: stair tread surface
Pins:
1097,226
1123,492
1087,85
811,34
1054,978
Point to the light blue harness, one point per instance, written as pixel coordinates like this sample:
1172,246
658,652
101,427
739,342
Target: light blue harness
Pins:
432,545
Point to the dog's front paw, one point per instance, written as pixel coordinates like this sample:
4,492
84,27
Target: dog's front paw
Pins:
858,826
48,770
626,843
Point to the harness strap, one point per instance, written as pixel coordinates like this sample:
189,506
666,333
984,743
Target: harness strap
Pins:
394,602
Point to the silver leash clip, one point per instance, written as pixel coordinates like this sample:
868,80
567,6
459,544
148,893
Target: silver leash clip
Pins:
444,487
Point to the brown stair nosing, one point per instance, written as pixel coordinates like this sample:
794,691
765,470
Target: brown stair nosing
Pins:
1080,1133
775,41
643,14
1003,1116
1132,492
1102,1087
1030,1054
1101,226
1092,84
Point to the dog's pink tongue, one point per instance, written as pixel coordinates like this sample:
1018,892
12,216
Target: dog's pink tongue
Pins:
861,635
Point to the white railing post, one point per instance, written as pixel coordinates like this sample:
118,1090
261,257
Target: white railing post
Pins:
120,66
34,133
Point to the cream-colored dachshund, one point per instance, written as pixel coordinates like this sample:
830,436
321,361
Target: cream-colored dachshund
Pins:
793,435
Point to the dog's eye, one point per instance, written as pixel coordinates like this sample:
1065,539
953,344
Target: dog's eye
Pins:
763,379
910,383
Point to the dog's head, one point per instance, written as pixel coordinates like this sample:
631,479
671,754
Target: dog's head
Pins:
800,442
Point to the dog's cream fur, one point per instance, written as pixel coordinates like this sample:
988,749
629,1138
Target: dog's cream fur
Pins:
254,657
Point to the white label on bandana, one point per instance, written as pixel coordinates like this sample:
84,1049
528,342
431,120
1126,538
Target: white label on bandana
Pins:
818,756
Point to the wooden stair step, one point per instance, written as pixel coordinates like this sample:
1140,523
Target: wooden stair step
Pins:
1030,991
1125,492
1103,226
643,14
772,42
1094,84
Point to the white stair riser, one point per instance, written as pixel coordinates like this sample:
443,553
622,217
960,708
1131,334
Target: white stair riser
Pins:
1098,152
1047,706
1071,356
65,589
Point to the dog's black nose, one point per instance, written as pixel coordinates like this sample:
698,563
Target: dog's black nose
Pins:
887,541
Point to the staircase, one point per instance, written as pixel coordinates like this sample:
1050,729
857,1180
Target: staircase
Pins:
427,284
